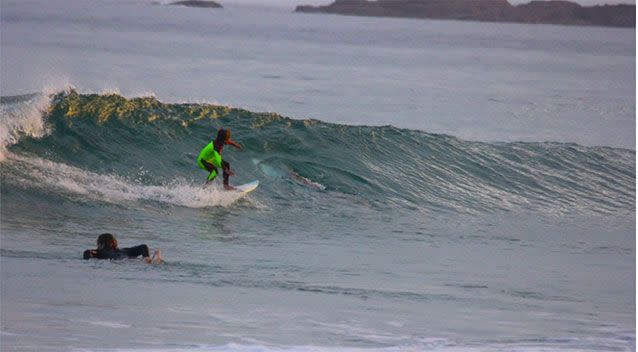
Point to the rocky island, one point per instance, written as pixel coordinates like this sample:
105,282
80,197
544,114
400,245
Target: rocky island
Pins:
547,12
198,3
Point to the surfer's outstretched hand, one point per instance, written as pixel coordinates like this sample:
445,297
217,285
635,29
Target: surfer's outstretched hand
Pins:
156,258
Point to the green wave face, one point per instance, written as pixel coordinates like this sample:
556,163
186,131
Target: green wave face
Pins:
152,144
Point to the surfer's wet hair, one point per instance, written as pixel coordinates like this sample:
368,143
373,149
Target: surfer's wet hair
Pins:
106,241
223,136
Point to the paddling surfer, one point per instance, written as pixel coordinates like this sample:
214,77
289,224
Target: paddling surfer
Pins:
107,248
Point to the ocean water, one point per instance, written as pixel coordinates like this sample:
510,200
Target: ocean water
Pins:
424,185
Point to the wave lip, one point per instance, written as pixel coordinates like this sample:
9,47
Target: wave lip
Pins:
21,116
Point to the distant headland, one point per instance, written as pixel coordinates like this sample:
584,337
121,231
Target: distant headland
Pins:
198,3
546,12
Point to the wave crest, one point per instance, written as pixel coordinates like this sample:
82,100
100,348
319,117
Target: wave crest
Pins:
107,134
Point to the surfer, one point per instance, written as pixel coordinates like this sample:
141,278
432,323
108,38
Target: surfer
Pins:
210,158
107,249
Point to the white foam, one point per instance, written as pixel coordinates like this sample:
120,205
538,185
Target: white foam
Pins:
306,181
110,91
27,118
56,85
38,172
234,347
277,173
431,344
104,323
24,120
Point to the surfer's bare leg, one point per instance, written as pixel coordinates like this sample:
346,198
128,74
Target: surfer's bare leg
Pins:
227,173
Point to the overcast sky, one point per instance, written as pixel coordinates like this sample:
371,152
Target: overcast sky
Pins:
293,3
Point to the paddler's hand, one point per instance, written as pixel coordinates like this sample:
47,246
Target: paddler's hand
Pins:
157,256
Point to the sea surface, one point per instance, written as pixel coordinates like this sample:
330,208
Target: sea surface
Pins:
424,185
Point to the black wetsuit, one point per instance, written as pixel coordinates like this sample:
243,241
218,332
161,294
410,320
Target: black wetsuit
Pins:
119,253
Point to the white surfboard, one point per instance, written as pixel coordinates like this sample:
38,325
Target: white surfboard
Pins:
247,187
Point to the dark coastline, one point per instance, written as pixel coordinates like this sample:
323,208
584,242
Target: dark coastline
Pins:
534,12
198,3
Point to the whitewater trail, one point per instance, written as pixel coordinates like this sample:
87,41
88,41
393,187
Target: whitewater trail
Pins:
49,176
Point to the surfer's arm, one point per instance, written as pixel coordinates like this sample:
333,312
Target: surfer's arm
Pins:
233,143
90,253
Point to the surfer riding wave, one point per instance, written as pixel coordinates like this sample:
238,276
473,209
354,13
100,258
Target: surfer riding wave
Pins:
210,158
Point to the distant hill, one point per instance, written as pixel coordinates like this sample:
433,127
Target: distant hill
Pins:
198,3
549,12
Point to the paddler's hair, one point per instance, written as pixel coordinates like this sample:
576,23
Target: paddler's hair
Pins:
106,241
223,136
